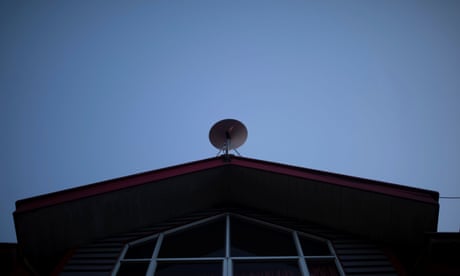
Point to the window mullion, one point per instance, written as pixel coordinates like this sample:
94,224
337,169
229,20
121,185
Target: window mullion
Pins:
227,237
227,271
153,262
227,260
117,265
230,267
336,260
302,263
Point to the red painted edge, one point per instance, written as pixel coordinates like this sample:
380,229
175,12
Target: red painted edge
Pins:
395,262
343,180
62,262
114,185
400,191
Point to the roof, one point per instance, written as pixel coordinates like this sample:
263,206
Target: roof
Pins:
156,175
385,212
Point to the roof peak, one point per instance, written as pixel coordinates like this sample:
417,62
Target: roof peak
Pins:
226,160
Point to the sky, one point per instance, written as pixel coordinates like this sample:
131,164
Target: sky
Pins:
95,90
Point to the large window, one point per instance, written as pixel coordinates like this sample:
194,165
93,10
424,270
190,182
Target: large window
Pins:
229,244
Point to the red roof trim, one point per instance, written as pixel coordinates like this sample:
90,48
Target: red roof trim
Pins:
114,185
426,196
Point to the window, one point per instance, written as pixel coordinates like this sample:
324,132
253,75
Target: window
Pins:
229,244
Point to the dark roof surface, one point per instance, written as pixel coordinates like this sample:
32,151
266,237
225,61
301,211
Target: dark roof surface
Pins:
50,224
156,175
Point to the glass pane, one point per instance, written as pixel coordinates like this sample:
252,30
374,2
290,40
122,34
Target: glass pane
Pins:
141,250
252,239
133,268
206,240
311,247
322,268
266,268
192,269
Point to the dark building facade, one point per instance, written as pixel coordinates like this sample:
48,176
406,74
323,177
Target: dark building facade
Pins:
233,216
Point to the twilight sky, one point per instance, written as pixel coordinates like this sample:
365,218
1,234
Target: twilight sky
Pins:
94,90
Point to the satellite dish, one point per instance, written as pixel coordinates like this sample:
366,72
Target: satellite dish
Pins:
228,134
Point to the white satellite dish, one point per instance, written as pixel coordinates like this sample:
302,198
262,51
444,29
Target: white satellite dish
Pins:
228,134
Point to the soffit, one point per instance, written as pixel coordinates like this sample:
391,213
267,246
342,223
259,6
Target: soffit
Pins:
48,225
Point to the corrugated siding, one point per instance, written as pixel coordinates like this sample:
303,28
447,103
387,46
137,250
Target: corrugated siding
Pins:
357,256
362,258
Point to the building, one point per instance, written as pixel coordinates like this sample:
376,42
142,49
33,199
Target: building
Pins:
234,215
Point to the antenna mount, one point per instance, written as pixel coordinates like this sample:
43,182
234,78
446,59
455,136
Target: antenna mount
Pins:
228,134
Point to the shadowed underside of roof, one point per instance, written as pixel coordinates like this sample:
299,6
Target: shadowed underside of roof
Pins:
152,176
50,224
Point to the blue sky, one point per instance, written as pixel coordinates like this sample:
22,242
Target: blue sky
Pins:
93,90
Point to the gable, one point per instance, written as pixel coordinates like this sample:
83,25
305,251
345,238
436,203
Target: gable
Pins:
50,224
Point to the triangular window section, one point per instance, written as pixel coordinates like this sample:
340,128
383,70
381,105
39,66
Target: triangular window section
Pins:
229,244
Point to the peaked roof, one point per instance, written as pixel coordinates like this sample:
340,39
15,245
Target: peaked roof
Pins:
353,182
49,224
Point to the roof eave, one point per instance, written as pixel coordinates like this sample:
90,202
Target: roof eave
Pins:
395,190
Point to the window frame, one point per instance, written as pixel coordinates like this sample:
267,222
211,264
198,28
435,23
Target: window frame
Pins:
227,260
